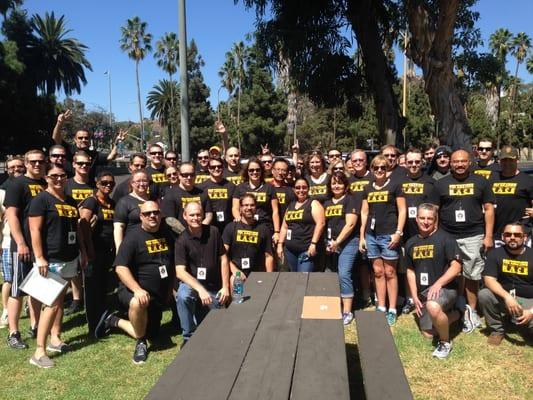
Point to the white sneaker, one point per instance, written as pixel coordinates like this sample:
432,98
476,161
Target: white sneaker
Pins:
3,321
347,318
443,349
476,320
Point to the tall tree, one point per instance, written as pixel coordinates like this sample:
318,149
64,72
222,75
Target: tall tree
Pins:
62,59
136,42
239,53
228,75
521,44
167,59
160,101
529,64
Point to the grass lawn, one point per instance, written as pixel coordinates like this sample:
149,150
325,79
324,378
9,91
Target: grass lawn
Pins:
104,370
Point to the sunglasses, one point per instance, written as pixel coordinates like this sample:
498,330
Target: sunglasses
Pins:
380,168
334,155
153,213
107,183
203,157
58,155
390,155
215,167
83,163
301,188
57,177
187,174
83,138
267,161
156,153
511,234
338,169
172,174
253,170
414,162
484,148
35,162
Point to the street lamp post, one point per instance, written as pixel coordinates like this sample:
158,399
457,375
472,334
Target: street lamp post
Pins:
185,156
108,73
218,103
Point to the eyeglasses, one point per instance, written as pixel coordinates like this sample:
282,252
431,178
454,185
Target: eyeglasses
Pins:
215,167
156,153
414,162
187,174
107,183
153,213
254,170
203,157
57,177
34,162
484,148
518,235
301,188
379,168
58,155
83,138
83,163
390,155
267,161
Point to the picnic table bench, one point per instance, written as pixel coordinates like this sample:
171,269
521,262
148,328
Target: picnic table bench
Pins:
262,348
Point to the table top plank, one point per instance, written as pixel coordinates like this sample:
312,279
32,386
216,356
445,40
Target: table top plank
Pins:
206,368
267,369
321,370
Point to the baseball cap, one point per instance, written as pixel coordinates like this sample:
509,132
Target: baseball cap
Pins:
215,148
508,152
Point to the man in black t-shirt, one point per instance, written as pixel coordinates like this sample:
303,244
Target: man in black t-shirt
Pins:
145,268
433,264
284,192
202,267
467,212
202,170
57,155
508,277
137,162
247,243
485,165
156,169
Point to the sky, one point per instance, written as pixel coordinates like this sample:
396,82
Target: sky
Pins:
214,24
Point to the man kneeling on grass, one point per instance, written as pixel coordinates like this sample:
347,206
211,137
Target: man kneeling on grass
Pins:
145,268
433,264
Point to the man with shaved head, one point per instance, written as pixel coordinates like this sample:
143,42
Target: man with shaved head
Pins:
145,268
467,212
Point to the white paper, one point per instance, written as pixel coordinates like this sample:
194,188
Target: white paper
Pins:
46,289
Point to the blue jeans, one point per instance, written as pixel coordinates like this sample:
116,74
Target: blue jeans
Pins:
190,309
345,261
299,262
377,247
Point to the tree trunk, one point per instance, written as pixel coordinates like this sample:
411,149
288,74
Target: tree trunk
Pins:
492,104
362,16
430,48
239,117
171,119
139,103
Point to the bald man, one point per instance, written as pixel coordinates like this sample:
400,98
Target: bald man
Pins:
467,212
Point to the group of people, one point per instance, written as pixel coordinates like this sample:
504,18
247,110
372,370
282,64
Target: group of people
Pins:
174,235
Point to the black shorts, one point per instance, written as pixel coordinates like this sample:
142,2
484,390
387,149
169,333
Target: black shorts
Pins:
155,310
20,270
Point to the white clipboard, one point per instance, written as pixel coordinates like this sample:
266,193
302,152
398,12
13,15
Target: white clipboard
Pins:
46,289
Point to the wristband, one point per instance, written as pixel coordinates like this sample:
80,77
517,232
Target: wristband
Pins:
399,233
276,231
314,243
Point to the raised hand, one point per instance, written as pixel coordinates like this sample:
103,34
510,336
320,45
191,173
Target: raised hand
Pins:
219,127
61,118
265,149
295,147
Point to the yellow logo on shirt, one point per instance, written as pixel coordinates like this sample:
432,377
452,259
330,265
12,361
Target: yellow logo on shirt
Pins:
413,188
423,252
156,245
260,197
217,194
237,179
334,210
464,189
185,200
504,187
281,197
378,197
201,179
318,190
245,236
159,178
294,215
514,267
358,186
64,210
108,214
485,173
269,179
35,189
81,194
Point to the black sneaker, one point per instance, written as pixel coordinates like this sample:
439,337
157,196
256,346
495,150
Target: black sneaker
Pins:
141,352
15,341
75,306
107,321
32,333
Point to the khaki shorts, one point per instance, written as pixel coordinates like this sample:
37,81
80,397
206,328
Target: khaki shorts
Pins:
473,263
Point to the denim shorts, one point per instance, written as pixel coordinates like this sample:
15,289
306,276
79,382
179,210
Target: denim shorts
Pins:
376,247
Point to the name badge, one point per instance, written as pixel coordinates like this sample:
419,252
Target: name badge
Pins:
329,233
289,234
412,212
256,217
460,216
72,238
201,274
245,263
424,279
220,216
372,224
163,272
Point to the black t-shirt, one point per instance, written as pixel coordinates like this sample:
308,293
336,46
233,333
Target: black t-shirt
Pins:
103,230
487,171
319,190
177,198
127,211
123,189
430,258
247,245
145,253
300,227
263,197
285,196
20,192
461,204
78,191
382,209
97,158
513,194
158,180
221,197
59,230
357,184
201,256
416,191
201,176
233,177
336,215
398,174
512,272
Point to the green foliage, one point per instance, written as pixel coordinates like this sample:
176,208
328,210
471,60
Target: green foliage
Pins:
135,41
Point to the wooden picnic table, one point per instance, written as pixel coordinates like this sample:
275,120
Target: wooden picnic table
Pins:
262,348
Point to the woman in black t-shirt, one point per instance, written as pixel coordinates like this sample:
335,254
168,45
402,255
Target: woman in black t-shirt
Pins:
127,211
98,242
342,212
383,215
253,175
315,164
301,230
53,221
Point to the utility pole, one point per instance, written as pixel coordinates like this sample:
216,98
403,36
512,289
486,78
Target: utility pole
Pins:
108,73
405,36
184,110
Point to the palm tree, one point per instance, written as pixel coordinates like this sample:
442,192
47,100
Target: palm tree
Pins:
160,101
61,59
521,44
137,43
228,74
529,64
167,59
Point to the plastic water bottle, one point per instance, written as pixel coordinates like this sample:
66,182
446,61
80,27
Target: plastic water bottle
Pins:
238,288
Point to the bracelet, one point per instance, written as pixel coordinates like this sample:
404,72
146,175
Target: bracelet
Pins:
276,231
315,243
399,233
